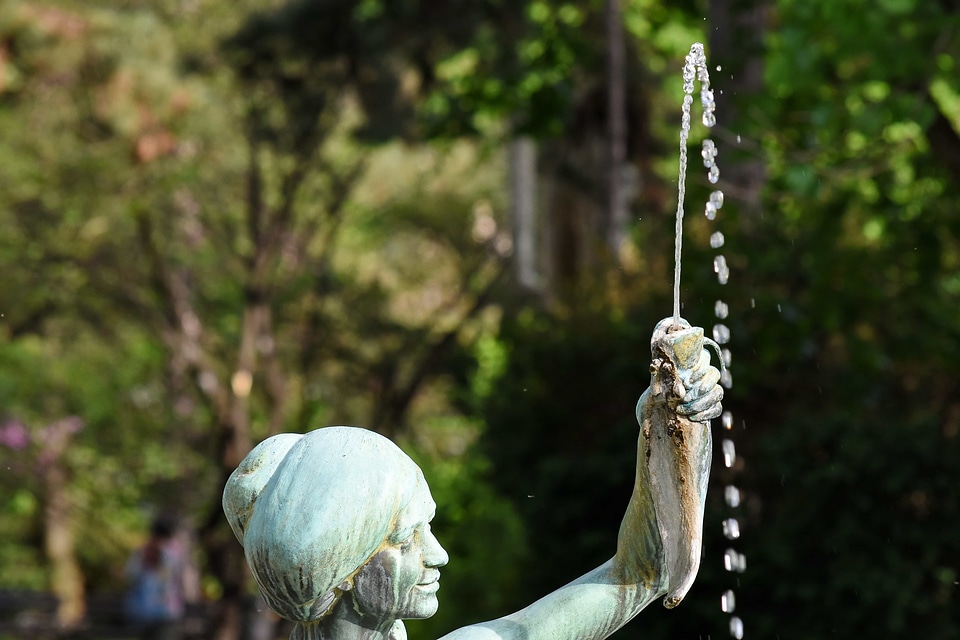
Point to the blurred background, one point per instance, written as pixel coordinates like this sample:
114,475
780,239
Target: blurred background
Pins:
451,221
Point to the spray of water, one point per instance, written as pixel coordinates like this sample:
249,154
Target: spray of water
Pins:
694,68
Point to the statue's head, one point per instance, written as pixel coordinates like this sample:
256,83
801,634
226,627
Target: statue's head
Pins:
340,509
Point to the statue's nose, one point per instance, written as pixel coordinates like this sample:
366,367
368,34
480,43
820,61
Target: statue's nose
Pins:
434,555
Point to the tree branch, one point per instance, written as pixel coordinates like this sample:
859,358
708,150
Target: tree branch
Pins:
389,413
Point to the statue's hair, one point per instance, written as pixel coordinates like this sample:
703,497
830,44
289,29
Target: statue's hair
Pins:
311,510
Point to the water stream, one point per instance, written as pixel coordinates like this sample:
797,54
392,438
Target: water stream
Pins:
695,69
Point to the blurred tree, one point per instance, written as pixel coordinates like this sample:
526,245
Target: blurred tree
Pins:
617,202
196,247
736,45
78,487
127,189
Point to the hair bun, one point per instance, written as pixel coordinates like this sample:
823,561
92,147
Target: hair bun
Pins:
248,480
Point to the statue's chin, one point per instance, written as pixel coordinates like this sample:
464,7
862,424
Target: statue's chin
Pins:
424,603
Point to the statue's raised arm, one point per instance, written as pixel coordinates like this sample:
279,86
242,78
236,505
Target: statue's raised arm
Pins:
335,524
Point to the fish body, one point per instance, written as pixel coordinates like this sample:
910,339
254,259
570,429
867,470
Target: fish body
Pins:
675,418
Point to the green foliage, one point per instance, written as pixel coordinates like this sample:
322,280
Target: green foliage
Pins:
23,562
121,463
845,350
877,530
524,67
129,133
138,217
561,435
386,53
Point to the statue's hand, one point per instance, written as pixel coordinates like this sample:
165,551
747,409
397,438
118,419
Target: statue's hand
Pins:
682,377
702,393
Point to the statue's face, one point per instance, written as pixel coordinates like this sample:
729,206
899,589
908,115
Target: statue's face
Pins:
401,580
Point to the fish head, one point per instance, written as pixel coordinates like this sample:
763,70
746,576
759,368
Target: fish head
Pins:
678,340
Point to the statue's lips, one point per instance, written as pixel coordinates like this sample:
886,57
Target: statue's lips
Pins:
430,583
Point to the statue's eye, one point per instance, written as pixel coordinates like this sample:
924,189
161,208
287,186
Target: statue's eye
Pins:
407,543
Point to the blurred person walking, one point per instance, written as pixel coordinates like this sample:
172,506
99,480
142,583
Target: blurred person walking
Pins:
156,580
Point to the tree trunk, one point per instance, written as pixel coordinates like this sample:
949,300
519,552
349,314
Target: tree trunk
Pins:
617,214
523,205
66,579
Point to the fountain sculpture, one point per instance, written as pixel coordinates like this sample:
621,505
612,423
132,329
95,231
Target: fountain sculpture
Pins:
335,524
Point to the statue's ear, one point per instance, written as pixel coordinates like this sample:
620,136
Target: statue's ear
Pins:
324,604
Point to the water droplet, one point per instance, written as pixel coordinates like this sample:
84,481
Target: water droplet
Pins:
730,559
716,240
726,379
710,210
723,276
716,197
727,420
729,452
731,495
718,68
721,333
720,309
726,356
709,119
728,602
731,528
719,264
733,561
736,628
738,138
713,176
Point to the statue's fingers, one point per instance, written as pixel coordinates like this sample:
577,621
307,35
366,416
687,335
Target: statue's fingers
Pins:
703,367
703,403
704,385
709,414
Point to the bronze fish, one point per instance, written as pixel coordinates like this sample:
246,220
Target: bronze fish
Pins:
683,397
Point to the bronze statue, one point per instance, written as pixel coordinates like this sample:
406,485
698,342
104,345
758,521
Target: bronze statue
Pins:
335,524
